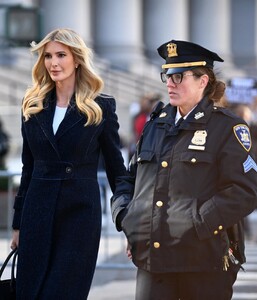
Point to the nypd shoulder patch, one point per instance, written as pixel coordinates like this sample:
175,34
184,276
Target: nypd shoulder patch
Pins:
243,135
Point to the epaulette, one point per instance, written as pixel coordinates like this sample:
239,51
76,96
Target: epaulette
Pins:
225,111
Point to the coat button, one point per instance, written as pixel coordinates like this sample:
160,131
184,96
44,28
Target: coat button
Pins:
193,160
68,170
216,232
156,245
164,164
159,203
220,227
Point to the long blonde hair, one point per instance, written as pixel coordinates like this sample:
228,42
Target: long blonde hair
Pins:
88,84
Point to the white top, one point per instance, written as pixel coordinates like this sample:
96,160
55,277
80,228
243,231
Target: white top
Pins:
178,115
58,117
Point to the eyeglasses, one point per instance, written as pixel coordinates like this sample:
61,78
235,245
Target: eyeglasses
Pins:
176,78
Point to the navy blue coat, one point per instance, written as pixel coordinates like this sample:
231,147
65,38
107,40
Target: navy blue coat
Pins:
189,188
57,207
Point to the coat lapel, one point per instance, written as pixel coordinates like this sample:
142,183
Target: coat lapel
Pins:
72,117
45,119
197,119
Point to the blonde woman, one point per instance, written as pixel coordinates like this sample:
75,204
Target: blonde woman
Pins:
66,123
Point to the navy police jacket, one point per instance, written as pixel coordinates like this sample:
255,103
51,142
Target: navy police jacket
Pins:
188,191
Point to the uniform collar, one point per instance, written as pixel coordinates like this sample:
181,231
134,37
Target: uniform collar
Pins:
199,115
202,112
178,114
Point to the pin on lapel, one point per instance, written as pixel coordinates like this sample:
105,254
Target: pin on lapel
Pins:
199,115
163,114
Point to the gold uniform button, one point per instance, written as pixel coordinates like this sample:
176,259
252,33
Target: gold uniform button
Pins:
156,245
220,227
193,160
159,203
164,164
216,232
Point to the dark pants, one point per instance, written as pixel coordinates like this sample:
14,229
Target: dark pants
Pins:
186,286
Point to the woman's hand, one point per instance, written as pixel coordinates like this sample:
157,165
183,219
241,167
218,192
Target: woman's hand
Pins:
128,251
15,239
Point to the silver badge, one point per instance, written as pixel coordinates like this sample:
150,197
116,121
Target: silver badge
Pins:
198,141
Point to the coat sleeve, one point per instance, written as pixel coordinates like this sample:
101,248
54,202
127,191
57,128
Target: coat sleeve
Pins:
110,143
237,188
114,164
27,162
123,194
113,160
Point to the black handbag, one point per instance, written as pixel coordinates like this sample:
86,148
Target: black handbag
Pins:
8,286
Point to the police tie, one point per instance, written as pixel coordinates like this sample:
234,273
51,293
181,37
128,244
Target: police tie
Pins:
179,122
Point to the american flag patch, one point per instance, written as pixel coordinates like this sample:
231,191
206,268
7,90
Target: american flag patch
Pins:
249,164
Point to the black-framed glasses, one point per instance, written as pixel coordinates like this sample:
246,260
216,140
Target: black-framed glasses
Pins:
176,78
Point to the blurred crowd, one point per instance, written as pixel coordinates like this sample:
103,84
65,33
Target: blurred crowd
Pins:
140,112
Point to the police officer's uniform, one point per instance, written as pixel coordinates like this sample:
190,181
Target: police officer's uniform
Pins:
190,187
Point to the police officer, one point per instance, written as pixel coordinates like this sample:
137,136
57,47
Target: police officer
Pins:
192,181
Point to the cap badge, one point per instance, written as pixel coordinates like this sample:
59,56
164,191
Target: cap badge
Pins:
172,50
198,141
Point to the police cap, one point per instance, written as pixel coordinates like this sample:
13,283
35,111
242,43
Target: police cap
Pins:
181,56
